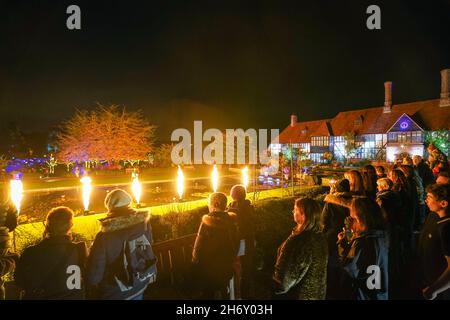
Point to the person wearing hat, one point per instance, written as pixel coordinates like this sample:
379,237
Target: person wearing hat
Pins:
122,231
54,268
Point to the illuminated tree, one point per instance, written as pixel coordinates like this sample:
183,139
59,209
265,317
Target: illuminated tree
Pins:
107,133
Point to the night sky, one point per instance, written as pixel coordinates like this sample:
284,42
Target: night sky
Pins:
232,64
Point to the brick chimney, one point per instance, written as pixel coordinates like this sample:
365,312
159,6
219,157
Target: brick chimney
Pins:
387,97
293,120
445,88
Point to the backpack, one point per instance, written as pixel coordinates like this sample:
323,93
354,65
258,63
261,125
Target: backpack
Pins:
136,265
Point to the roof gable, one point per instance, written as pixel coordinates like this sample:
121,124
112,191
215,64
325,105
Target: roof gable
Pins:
405,123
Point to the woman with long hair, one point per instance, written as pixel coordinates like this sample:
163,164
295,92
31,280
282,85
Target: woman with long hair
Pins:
356,182
369,176
403,188
365,256
301,267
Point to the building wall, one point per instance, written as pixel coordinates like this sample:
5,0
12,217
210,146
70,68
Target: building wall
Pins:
383,146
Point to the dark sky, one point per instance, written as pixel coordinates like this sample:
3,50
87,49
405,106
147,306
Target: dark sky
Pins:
246,64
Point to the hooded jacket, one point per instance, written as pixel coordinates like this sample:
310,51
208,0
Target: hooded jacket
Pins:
118,227
215,248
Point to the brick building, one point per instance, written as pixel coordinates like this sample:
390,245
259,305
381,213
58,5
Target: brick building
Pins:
382,133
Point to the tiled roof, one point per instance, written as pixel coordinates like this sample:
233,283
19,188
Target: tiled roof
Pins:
427,114
302,131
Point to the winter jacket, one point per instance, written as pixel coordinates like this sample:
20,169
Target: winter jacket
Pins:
107,254
245,214
44,271
215,249
358,257
301,267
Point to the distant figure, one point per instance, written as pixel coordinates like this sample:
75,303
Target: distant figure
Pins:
215,249
380,172
245,213
408,161
435,157
443,178
423,170
301,266
55,267
121,263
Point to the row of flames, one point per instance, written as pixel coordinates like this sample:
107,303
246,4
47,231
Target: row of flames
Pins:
16,185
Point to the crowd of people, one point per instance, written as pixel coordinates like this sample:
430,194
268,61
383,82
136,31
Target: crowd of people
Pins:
381,234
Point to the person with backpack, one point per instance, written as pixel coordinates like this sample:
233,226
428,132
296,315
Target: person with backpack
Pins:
215,249
121,263
54,268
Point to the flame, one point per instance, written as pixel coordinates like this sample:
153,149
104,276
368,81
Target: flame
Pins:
245,177
136,188
215,178
87,189
180,182
16,193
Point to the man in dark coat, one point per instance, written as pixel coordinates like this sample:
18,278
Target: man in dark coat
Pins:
54,268
215,248
245,212
105,270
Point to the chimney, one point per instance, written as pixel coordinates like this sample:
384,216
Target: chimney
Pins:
445,88
293,120
387,97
